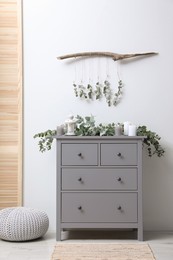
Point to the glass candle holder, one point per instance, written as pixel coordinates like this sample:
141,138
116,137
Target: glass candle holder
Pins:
70,124
118,130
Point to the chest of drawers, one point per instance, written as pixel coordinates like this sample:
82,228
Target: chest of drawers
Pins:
99,183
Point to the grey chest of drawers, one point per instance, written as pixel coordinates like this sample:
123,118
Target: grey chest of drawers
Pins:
99,183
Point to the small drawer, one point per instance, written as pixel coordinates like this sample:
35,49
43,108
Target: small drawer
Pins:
119,154
99,179
99,207
79,154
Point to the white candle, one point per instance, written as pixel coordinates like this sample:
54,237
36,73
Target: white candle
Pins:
132,130
126,127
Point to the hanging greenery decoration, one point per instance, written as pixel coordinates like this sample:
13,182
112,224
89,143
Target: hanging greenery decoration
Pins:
99,91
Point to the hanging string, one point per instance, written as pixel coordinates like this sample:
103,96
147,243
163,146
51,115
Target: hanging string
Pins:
90,71
107,69
118,70
75,88
74,81
98,69
82,72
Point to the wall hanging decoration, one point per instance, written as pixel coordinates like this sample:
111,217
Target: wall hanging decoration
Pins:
95,88
92,87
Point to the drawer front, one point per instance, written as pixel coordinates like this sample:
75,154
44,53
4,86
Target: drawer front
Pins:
99,207
99,179
119,154
79,154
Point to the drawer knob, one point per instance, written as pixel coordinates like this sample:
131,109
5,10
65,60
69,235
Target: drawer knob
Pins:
119,179
80,179
80,208
80,154
119,154
119,208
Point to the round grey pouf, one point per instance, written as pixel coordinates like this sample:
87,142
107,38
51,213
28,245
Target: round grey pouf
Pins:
22,224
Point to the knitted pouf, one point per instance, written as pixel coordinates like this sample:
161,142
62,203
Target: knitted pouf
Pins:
22,224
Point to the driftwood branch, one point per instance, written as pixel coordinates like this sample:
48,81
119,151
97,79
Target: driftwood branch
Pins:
114,56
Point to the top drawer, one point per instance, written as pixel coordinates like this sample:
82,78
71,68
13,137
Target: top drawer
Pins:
79,154
119,154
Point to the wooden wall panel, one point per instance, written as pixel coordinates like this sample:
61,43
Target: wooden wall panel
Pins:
10,103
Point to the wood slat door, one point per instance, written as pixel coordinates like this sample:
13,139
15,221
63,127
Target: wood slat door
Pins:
10,103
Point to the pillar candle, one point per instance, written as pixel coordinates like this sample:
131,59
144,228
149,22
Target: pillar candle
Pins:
132,130
126,128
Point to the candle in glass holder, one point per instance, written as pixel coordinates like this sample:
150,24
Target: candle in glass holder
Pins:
70,123
60,130
118,130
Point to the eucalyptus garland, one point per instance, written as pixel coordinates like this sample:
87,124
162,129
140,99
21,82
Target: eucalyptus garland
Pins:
99,91
45,140
86,127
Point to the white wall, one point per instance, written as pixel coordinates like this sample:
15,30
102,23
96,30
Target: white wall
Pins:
53,28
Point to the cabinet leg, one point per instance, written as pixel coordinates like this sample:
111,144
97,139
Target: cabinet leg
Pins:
140,234
58,235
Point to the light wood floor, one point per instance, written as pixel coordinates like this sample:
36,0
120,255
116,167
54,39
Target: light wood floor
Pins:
160,242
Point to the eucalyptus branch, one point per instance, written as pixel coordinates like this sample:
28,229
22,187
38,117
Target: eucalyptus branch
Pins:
98,91
114,56
75,89
151,141
46,140
107,92
90,91
119,93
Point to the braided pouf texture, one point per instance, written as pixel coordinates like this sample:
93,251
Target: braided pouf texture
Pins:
22,224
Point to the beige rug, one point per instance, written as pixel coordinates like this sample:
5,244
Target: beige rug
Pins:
102,251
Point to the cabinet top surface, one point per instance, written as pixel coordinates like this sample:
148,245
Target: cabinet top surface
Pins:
113,138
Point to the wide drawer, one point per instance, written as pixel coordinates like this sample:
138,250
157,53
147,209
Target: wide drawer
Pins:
99,179
119,154
79,154
99,207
